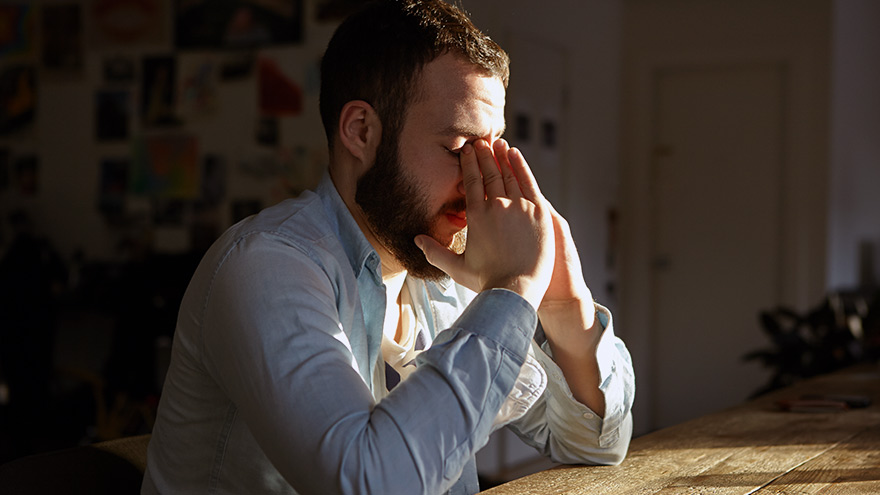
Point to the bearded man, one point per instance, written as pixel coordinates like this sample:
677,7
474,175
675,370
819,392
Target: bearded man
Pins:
369,336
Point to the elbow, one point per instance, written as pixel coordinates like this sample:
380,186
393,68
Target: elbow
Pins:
607,449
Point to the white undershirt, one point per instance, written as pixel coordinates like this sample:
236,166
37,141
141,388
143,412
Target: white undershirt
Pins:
402,339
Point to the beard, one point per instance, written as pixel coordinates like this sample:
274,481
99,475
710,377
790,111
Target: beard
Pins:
395,212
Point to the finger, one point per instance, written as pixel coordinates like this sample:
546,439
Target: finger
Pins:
492,182
471,177
527,183
511,185
438,255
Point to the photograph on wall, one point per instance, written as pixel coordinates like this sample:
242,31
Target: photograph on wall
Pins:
17,36
237,23
166,167
113,187
198,86
61,43
18,98
158,101
119,23
112,114
279,95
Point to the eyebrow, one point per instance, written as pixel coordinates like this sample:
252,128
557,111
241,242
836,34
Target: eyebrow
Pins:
469,132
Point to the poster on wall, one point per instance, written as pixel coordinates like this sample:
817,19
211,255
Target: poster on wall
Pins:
237,24
18,98
198,86
166,166
62,47
158,102
279,94
17,33
127,22
112,114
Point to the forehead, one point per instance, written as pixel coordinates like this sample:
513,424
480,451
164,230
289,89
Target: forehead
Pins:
456,97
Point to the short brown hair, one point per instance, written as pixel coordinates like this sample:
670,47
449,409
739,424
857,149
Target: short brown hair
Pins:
377,54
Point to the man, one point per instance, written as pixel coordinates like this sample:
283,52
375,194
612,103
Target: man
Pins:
321,348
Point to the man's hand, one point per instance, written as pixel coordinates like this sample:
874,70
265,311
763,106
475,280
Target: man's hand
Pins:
567,312
511,241
567,283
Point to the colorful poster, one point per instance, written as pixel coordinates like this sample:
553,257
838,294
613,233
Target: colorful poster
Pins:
17,30
199,79
127,22
279,94
158,102
237,23
18,98
166,166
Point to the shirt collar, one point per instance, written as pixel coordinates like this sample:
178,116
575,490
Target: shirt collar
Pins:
358,249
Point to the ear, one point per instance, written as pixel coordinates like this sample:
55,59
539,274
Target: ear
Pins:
360,130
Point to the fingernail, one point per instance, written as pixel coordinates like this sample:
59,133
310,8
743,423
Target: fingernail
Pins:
467,149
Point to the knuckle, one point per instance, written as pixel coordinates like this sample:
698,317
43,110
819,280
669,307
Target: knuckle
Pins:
471,181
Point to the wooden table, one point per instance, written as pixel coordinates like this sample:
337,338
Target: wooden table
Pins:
755,448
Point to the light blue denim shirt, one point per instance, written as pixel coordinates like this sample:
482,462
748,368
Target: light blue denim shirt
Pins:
276,381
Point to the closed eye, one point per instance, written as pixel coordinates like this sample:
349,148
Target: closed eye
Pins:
456,151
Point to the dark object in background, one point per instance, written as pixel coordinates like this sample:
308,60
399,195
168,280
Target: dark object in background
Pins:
32,278
115,467
842,331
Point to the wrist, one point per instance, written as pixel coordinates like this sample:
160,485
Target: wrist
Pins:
527,289
573,324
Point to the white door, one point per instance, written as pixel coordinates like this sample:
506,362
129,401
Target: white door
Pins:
717,198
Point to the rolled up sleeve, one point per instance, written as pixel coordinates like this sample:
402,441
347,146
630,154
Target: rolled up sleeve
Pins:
568,431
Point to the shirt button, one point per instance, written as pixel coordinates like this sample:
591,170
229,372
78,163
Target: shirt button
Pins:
588,415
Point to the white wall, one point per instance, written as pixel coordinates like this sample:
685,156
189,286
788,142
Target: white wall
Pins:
854,202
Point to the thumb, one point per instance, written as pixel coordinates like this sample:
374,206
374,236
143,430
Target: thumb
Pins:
438,255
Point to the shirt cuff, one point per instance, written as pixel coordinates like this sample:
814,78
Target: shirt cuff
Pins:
502,316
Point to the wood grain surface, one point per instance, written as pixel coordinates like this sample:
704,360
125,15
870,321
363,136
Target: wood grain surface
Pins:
754,448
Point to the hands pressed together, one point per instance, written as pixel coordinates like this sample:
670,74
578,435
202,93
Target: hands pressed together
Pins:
518,241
